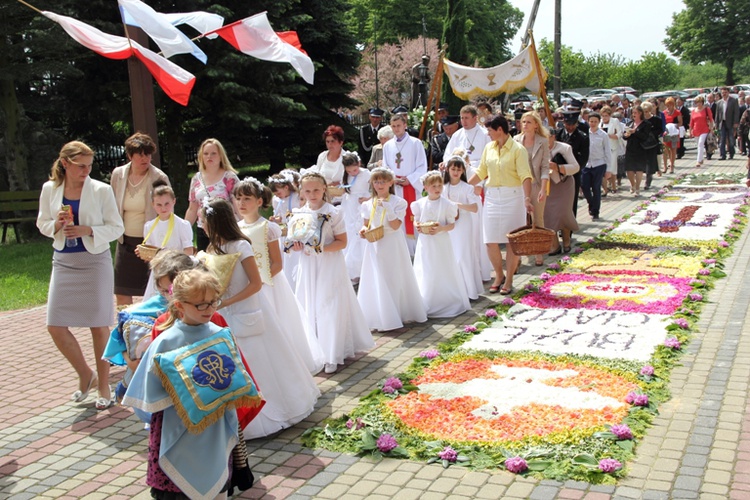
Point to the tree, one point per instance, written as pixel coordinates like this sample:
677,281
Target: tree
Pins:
394,72
490,24
711,30
454,36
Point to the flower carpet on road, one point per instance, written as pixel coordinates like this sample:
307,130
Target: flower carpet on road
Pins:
562,380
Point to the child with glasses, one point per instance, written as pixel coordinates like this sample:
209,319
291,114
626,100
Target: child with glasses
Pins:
288,387
172,470
388,292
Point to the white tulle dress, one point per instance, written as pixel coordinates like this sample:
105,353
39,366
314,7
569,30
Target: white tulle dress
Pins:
355,246
464,237
388,291
327,296
284,380
291,317
438,276
283,208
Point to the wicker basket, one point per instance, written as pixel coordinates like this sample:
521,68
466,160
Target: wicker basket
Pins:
147,252
531,240
336,191
374,234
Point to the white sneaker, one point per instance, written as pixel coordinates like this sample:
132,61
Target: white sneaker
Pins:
331,368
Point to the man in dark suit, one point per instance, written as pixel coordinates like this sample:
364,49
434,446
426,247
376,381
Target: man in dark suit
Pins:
368,134
579,141
685,112
727,120
440,141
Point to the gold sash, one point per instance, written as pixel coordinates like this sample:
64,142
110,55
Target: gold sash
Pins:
258,234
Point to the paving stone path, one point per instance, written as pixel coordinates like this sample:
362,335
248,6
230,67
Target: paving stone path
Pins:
698,447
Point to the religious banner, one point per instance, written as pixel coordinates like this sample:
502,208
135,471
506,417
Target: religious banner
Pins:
520,72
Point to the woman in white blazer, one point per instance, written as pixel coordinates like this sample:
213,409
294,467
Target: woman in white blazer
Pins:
81,216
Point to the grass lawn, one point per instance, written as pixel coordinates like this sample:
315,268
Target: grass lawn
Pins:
25,273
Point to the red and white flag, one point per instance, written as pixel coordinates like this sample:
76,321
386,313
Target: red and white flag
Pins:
255,37
175,81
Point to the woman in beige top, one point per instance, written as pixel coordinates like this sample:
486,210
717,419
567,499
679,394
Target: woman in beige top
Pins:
133,185
534,137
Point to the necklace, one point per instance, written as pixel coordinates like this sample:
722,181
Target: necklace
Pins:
471,141
134,188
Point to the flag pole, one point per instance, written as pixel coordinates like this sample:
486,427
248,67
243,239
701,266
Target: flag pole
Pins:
436,82
30,6
542,87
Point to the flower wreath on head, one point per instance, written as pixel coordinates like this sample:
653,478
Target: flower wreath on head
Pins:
381,170
254,181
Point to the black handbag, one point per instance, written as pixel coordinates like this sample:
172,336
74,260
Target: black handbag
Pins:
650,142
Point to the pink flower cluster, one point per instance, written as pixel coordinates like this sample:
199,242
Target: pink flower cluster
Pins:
429,354
490,313
470,329
704,271
695,282
621,431
672,343
608,465
708,262
392,385
544,276
554,266
636,399
507,301
696,297
386,443
448,454
516,465
647,370
723,244
682,323
357,424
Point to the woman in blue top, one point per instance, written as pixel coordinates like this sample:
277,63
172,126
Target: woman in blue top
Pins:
81,216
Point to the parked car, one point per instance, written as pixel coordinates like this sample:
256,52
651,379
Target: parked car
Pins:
698,90
626,90
523,99
663,94
598,94
565,96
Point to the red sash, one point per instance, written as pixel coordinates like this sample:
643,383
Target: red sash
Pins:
409,194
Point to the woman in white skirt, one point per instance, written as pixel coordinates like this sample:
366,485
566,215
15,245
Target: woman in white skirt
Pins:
507,199
81,216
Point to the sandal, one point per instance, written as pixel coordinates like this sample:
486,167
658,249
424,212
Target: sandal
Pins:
539,263
496,288
506,291
103,403
566,249
80,396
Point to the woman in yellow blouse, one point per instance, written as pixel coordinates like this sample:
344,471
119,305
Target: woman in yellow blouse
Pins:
507,199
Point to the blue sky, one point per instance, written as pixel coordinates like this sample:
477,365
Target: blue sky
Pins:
627,28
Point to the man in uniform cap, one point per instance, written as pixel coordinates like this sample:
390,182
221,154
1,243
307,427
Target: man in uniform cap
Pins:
572,134
368,134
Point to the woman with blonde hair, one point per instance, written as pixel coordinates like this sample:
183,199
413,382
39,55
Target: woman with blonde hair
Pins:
81,216
534,137
215,179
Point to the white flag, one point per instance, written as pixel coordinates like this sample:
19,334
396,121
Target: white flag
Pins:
170,40
175,81
255,37
508,77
